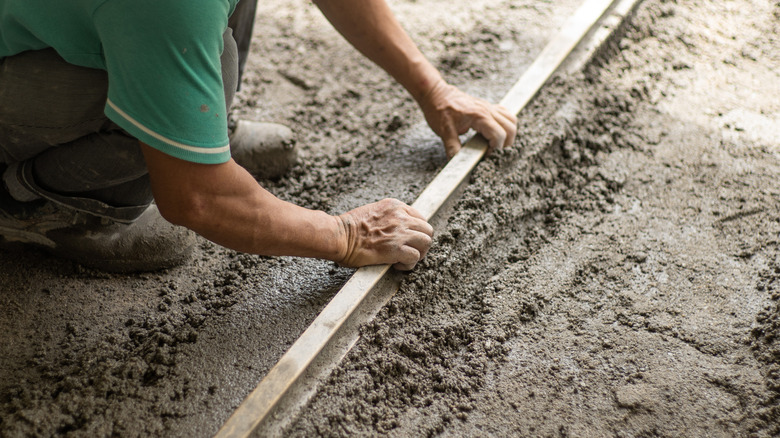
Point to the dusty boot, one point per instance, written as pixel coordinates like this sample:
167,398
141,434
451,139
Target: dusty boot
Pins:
146,244
266,150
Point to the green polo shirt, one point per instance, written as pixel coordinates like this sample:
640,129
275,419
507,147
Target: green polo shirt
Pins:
162,58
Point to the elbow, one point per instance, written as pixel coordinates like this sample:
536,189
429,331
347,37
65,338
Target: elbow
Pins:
187,211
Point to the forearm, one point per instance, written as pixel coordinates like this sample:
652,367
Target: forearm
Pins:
224,204
371,27
259,223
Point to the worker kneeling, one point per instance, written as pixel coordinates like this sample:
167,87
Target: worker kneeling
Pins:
107,106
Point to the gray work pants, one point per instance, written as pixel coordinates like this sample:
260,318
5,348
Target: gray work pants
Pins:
56,140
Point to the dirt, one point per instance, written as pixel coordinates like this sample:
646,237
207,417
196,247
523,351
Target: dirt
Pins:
615,273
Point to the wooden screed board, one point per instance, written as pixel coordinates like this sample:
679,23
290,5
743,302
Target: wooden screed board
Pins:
325,342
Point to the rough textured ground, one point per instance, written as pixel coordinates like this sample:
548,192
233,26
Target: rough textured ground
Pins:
616,273
174,353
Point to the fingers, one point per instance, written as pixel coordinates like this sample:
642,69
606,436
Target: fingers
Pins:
423,238
492,131
497,125
494,122
408,260
451,112
508,121
420,242
449,137
411,211
415,250
404,267
386,232
423,225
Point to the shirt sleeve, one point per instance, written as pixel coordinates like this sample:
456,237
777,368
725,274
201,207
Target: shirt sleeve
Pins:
165,76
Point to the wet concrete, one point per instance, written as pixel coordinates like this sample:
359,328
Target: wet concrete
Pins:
615,273
173,353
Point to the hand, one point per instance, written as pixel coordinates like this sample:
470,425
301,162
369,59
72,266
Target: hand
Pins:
451,112
385,232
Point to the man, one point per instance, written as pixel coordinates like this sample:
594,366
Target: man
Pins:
106,104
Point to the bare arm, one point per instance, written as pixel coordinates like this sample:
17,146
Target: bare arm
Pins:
371,27
223,203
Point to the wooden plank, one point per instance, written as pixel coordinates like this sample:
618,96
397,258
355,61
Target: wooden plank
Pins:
599,38
532,80
262,401
303,352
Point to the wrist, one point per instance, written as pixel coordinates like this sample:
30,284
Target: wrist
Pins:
341,243
427,79
432,94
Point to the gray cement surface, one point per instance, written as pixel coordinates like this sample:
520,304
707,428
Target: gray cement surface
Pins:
173,353
614,273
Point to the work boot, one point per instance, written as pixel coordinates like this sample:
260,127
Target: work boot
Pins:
266,150
146,244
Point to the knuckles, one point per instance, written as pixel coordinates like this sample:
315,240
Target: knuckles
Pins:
388,231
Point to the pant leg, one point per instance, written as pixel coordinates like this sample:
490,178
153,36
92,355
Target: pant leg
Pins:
51,117
231,75
101,165
243,22
45,102
55,136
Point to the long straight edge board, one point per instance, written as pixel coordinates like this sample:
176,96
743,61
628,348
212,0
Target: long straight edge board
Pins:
264,398
537,74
